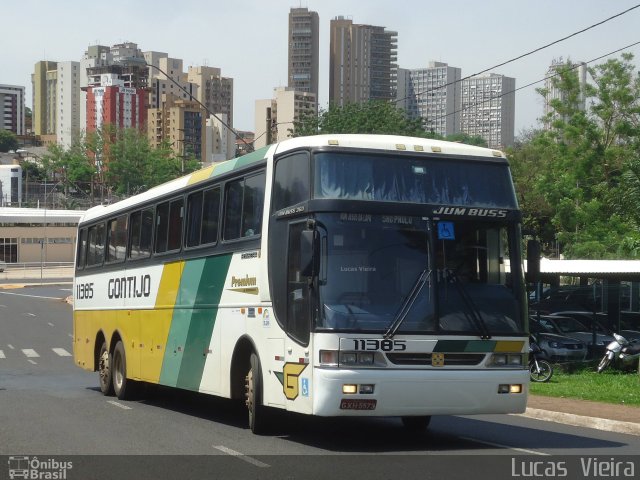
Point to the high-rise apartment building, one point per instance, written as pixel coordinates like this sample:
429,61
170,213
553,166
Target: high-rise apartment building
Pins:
12,113
274,117
488,109
433,94
362,63
95,56
303,50
220,142
182,123
44,85
214,91
552,92
113,102
68,103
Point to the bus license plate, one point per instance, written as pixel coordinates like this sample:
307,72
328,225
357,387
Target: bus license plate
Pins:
356,404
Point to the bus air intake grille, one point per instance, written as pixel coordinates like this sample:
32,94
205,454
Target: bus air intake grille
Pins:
450,359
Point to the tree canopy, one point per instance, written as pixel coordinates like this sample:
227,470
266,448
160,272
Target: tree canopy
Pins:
8,140
578,181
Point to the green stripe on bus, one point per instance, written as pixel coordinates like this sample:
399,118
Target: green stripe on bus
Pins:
180,322
203,320
240,162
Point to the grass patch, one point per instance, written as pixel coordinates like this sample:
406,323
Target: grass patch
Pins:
610,386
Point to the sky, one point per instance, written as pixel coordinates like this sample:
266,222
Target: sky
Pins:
247,39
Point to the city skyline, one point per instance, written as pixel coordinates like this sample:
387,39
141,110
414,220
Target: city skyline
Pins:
248,39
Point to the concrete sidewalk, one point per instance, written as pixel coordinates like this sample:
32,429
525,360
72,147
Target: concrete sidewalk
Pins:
583,413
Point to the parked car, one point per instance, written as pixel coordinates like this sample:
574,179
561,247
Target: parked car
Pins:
575,329
558,347
601,322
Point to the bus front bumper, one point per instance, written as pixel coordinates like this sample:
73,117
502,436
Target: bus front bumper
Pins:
418,392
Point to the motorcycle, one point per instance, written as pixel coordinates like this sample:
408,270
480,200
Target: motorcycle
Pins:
620,348
540,370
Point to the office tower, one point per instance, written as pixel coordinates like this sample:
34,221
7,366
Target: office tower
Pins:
12,113
433,94
362,63
303,50
488,109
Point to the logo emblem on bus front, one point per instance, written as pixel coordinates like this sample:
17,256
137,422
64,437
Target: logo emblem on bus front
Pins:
437,359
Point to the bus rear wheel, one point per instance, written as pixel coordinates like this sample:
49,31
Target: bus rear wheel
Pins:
416,424
104,370
121,385
253,385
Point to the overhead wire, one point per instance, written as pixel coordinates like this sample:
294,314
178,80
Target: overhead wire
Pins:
537,81
521,56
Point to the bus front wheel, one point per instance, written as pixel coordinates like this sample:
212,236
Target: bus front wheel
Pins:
104,370
121,385
253,385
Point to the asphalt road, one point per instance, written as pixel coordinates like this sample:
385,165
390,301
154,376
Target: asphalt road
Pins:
50,407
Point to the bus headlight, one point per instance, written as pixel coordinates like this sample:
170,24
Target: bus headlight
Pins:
506,360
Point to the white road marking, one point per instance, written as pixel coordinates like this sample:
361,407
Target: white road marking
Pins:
31,361
241,456
70,336
50,324
499,445
11,347
30,352
2,355
31,296
118,404
62,352
31,314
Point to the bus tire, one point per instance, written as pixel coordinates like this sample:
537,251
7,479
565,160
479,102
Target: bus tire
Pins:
257,414
416,424
121,385
104,370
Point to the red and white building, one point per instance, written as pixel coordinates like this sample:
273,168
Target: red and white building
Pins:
113,103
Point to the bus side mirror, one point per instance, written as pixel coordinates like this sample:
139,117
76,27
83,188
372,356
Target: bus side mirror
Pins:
533,260
309,260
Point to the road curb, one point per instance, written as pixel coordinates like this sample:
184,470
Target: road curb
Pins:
605,424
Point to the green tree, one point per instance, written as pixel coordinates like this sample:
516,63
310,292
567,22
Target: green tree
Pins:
467,139
576,179
8,141
375,116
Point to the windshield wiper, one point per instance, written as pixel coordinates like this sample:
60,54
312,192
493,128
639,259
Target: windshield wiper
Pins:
476,316
406,306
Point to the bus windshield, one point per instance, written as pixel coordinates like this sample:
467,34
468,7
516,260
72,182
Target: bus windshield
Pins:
371,264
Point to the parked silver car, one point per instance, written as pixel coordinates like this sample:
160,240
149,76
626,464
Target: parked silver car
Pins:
557,346
601,320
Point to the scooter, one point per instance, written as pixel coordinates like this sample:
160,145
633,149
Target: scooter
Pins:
620,348
540,370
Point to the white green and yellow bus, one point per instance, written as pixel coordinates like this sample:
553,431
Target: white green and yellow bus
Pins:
340,275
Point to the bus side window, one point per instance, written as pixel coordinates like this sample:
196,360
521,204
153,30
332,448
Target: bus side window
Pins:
117,239
233,209
210,214
140,233
194,219
176,213
252,205
162,227
82,249
95,247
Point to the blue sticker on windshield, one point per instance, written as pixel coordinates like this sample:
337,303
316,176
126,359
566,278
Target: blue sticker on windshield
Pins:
445,231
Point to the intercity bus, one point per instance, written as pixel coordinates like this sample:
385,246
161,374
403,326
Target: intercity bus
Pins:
339,275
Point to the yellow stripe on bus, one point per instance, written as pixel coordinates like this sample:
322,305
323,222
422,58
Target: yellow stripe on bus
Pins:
505,346
201,175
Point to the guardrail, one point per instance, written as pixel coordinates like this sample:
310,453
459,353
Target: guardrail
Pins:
35,271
